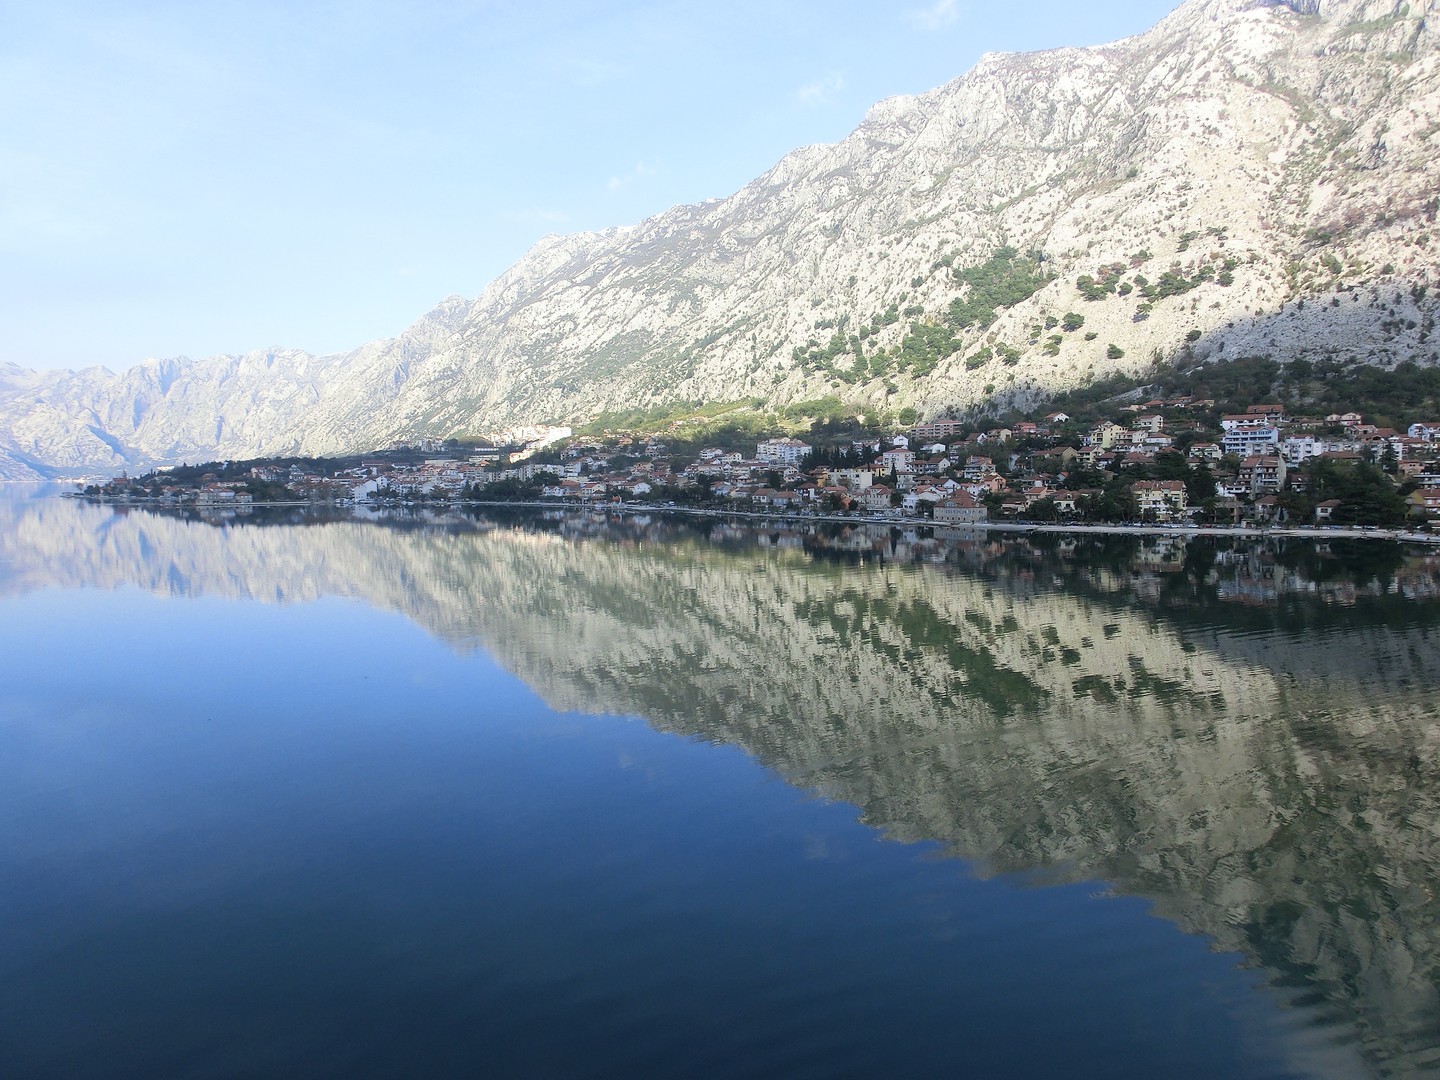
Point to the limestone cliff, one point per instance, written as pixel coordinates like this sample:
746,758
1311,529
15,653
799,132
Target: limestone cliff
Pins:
1245,178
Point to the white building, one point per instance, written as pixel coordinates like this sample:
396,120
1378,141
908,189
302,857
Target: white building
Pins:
1301,448
1205,451
1246,440
782,451
902,461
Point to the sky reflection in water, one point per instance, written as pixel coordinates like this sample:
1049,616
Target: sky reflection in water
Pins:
336,837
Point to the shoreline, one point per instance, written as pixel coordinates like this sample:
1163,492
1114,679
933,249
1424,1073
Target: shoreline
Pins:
1356,532
1315,532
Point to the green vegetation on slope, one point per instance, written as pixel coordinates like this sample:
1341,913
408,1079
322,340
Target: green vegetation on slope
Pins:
1397,397
1005,279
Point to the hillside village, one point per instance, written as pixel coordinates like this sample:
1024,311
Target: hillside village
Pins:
1157,461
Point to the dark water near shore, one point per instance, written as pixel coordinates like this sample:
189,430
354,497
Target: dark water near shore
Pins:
572,796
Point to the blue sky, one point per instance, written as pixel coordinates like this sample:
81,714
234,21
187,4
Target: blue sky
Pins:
187,179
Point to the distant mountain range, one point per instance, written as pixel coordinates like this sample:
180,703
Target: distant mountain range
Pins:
1246,178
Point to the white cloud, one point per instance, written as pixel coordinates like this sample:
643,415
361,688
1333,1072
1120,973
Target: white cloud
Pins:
640,171
821,91
937,16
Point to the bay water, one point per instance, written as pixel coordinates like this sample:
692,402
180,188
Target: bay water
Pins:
535,794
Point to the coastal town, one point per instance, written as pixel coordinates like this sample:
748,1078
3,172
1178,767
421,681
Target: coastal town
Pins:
1170,461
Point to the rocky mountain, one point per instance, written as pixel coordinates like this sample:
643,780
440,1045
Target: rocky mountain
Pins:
1249,177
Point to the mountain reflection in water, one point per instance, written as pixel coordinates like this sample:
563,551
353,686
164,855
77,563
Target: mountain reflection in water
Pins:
1244,733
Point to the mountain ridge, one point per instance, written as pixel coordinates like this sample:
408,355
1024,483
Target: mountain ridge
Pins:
1272,158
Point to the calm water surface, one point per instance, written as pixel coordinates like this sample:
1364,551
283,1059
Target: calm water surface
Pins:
530,796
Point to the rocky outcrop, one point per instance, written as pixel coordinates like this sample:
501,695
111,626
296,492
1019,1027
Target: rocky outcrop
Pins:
1243,179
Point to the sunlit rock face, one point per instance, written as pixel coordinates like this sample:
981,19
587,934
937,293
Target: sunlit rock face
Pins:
1291,143
1269,776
